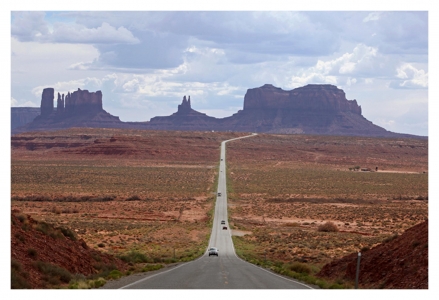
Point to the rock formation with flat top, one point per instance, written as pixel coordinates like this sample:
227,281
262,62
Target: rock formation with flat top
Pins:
313,97
312,109
47,102
78,109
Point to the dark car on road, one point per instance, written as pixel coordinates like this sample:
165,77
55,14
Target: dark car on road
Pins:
224,227
213,251
223,222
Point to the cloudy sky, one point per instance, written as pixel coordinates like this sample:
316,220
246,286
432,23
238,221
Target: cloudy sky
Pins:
144,62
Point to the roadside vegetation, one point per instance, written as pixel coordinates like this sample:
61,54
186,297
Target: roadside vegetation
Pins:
148,197
296,204
303,272
149,202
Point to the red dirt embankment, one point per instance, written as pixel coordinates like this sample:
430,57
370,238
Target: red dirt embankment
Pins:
399,263
33,242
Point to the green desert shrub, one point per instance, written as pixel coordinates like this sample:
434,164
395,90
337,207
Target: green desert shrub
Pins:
68,233
134,257
32,252
115,274
97,283
53,272
148,268
300,268
20,237
21,218
19,276
79,281
390,238
104,270
49,230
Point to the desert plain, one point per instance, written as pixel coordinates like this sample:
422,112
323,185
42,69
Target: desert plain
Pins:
153,192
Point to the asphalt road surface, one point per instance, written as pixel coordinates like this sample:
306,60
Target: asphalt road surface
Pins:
226,271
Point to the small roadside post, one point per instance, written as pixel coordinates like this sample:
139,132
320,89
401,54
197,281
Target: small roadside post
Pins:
357,275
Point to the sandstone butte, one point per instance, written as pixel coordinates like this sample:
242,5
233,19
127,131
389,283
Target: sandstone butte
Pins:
312,109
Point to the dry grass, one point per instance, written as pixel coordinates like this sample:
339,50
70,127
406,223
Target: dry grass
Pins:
327,227
59,181
282,189
121,190
155,193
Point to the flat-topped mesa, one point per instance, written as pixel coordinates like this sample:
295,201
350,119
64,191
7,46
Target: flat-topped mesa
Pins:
185,106
312,97
82,101
47,102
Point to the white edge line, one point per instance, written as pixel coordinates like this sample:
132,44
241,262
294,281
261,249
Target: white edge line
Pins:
154,275
149,277
233,245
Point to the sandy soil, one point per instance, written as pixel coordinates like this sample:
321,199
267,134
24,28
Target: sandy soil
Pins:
153,191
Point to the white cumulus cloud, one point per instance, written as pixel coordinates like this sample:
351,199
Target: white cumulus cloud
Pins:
16,103
32,26
410,77
362,60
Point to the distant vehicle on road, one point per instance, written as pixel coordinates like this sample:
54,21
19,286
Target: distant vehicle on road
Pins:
223,222
219,194
224,227
213,251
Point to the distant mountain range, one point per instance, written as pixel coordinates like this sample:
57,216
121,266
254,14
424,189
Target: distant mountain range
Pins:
313,109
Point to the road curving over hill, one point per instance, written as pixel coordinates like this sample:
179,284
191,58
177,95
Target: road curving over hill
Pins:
226,271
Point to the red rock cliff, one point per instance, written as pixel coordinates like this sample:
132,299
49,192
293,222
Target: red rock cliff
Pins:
83,101
312,97
47,101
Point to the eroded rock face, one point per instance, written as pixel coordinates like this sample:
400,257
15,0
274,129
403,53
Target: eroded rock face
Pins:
71,254
78,109
312,109
60,104
401,263
185,106
82,101
47,101
313,97
185,118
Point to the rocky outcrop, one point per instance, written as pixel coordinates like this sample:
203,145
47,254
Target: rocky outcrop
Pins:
185,106
184,119
78,109
54,247
60,104
23,115
313,109
313,97
47,102
82,101
398,263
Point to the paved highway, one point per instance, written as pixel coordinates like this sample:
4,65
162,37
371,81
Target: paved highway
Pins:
226,271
